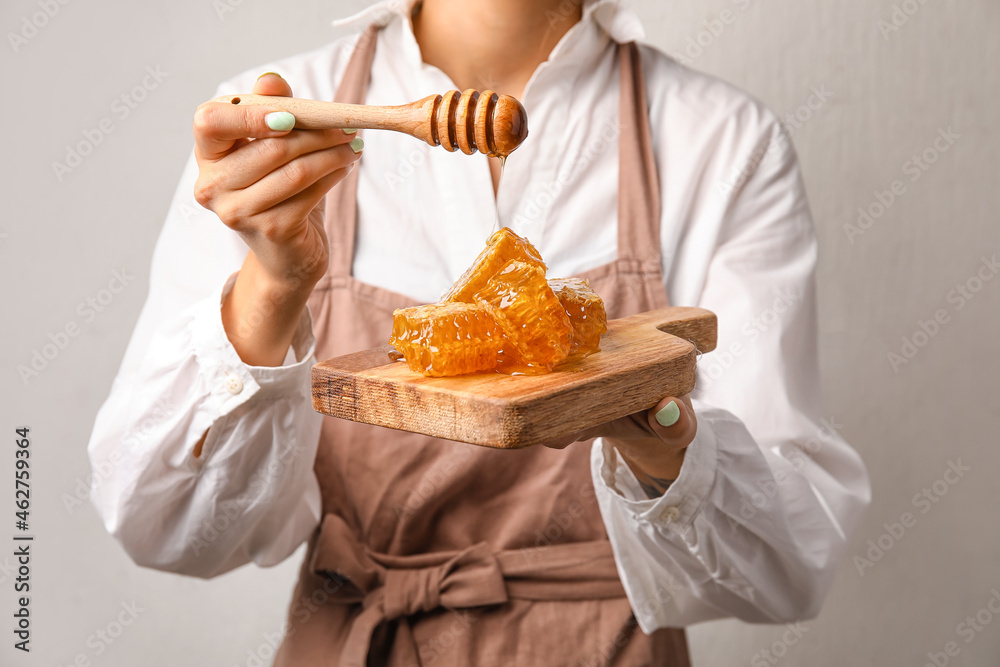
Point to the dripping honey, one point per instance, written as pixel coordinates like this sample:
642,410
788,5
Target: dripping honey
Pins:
496,218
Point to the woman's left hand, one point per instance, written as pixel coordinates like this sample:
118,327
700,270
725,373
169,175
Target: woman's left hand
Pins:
652,443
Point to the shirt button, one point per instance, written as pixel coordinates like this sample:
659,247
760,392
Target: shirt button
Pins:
670,514
234,384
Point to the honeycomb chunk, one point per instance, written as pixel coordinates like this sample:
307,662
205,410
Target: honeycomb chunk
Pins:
502,247
586,313
502,315
446,338
536,326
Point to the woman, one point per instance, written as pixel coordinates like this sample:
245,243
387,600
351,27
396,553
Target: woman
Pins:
656,183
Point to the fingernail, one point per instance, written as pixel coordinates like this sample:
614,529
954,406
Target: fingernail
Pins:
280,121
357,144
669,415
349,130
266,73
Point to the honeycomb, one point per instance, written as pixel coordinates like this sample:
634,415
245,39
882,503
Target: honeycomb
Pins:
586,313
535,324
502,247
502,315
446,339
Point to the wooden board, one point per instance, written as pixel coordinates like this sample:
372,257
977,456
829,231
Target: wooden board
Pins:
642,359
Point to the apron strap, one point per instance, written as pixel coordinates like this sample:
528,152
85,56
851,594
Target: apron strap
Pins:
389,588
638,182
341,212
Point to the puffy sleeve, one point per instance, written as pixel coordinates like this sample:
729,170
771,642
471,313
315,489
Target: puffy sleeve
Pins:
769,492
251,494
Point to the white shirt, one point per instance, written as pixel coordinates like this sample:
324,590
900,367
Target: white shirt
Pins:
768,494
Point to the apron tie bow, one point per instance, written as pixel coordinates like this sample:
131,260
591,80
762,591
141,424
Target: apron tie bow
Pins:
471,578
394,587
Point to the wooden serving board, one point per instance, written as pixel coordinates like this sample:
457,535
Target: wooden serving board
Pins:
642,359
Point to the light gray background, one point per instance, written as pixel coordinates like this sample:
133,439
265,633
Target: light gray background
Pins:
60,242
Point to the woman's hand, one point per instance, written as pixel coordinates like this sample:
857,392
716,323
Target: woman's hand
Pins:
265,181
652,443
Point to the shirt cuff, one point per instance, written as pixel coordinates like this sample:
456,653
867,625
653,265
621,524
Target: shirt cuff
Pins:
676,508
230,381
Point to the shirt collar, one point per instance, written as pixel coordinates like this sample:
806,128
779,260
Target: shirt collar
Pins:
613,16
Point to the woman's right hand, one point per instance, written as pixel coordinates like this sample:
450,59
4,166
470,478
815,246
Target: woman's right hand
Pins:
267,185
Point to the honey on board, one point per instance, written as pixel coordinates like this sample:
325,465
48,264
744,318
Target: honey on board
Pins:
502,314
447,338
533,321
502,247
586,313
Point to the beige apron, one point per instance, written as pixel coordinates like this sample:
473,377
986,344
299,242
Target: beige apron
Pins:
434,552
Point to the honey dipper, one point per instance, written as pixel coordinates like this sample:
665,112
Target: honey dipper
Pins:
470,121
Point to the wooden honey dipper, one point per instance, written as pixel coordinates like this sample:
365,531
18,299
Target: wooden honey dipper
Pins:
469,121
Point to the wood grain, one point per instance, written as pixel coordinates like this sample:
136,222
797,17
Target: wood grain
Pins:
487,122
642,359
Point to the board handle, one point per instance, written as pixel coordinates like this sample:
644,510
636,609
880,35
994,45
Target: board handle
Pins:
696,325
